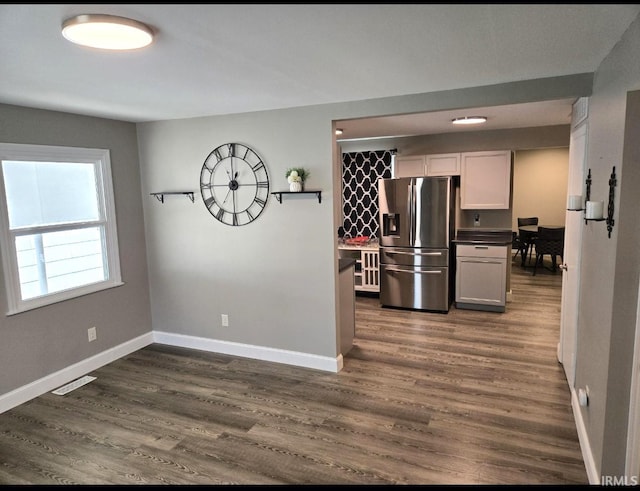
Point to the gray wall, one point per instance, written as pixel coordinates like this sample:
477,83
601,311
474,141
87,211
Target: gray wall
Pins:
608,297
627,275
275,277
41,341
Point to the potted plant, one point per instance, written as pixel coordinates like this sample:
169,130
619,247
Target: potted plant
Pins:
296,177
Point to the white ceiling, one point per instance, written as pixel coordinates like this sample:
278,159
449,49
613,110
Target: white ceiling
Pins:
545,113
219,59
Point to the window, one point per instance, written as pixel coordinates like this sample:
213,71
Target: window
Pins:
57,224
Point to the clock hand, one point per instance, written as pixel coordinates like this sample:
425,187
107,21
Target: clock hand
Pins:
234,194
234,203
225,198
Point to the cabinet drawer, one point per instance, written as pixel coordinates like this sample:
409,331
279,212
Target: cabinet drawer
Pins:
469,250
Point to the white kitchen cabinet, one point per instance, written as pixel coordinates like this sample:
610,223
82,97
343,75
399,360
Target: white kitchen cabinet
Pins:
481,277
367,268
485,180
443,164
409,166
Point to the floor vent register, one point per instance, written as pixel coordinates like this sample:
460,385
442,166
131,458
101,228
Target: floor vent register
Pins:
65,389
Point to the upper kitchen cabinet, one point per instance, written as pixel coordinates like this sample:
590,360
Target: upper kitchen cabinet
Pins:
409,166
485,180
443,164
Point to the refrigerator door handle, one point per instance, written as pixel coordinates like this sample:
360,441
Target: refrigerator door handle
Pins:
410,210
414,253
414,211
413,271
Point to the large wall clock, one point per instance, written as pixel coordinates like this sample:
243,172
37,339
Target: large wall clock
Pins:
234,184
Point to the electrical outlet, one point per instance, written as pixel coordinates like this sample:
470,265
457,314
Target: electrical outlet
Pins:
225,320
91,332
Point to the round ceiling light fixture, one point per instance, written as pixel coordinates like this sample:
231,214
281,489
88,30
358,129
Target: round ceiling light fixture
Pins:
339,131
470,120
107,32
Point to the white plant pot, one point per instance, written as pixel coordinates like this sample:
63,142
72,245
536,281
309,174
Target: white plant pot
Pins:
295,187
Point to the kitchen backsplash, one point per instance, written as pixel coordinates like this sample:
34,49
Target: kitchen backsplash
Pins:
360,174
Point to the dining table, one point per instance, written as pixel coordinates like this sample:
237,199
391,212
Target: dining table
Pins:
528,234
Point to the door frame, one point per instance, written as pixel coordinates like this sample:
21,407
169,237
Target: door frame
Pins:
577,170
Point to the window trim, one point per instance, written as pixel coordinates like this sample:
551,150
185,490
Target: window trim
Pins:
104,183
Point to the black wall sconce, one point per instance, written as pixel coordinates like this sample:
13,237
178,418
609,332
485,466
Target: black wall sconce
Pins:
610,208
612,184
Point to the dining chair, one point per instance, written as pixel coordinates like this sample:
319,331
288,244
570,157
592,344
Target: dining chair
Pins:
517,245
527,221
550,241
528,240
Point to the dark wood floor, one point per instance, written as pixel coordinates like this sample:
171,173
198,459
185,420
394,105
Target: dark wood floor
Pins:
463,398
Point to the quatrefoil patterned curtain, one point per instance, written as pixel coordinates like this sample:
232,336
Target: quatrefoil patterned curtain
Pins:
360,174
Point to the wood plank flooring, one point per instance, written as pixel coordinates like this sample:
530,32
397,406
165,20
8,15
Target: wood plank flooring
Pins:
460,398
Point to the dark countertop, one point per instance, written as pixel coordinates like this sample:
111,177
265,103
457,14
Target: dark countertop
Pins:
344,263
473,236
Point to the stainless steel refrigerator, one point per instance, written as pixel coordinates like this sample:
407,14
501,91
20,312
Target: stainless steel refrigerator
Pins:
416,229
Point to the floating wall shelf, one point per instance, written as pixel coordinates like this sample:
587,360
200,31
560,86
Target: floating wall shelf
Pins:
160,196
278,194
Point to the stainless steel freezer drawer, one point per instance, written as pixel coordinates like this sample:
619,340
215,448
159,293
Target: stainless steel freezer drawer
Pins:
415,287
409,256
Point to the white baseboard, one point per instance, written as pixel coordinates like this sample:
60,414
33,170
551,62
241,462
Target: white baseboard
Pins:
72,372
296,358
585,446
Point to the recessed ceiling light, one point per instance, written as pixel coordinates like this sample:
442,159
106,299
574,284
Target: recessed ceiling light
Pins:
338,131
107,32
470,120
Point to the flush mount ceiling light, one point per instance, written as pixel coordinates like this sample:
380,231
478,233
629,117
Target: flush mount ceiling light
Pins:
470,120
338,131
107,32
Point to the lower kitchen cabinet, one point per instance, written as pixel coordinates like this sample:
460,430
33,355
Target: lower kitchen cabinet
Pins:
481,277
347,305
367,267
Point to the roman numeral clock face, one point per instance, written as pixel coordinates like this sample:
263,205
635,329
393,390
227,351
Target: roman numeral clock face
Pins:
234,184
